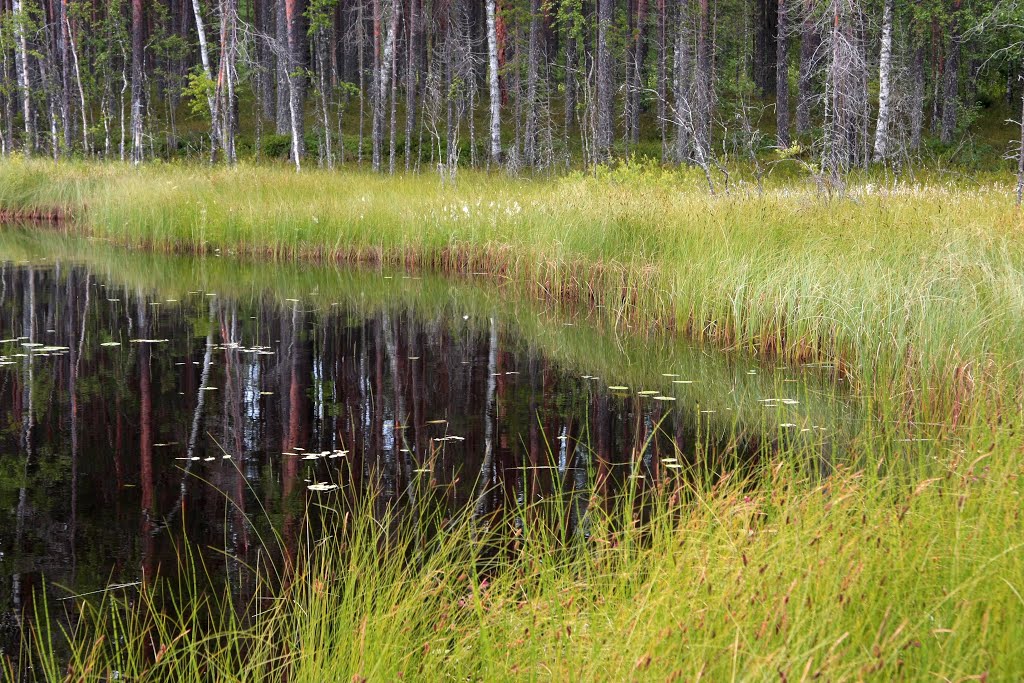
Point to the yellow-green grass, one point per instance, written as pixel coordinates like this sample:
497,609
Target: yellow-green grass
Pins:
778,577
917,291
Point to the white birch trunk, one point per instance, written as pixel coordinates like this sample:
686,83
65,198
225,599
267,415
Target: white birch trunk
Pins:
884,77
204,55
22,66
492,77
78,82
390,21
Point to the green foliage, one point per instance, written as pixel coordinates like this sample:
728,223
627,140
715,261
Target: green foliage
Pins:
198,91
320,14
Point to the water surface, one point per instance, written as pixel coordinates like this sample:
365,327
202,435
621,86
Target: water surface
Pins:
151,402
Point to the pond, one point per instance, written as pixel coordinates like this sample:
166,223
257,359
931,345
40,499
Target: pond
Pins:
149,403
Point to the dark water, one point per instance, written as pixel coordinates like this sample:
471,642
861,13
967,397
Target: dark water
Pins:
140,407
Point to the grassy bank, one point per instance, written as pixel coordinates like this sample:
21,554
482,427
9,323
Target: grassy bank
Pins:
919,289
878,572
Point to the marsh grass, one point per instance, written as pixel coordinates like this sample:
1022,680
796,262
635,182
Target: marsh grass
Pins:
912,290
776,574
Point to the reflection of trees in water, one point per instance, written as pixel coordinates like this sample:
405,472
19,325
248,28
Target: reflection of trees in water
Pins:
435,415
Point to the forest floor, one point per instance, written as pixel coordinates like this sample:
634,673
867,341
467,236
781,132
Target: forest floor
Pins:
907,562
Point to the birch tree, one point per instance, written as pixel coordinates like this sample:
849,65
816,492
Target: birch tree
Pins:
884,74
492,81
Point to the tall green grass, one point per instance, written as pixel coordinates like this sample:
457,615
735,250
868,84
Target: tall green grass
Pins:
915,288
778,576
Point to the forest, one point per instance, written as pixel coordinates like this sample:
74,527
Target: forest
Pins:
831,85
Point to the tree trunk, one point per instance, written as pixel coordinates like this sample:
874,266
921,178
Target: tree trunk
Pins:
884,75
229,18
388,20
492,81
63,39
137,84
705,81
571,70
765,30
411,76
917,98
262,16
782,76
637,70
78,81
1020,157
809,42
393,68
662,85
605,80
296,81
681,84
532,68
282,57
951,80
21,59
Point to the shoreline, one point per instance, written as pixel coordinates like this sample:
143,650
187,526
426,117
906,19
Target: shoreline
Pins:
755,274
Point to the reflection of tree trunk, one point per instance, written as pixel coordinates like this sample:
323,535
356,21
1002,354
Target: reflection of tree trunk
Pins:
602,422
75,353
535,458
233,405
418,398
294,391
27,398
400,446
146,482
487,467
290,463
